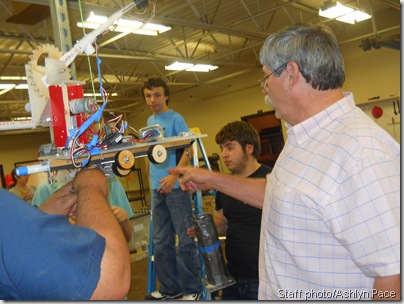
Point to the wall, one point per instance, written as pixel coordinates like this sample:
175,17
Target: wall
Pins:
375,73
372,73
20,148
368,74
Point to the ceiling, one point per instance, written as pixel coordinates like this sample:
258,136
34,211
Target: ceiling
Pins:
226,33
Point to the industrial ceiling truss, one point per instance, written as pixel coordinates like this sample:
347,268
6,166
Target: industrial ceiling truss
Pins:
224,33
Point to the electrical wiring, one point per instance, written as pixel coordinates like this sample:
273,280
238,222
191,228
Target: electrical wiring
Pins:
135,16
115,120
75,148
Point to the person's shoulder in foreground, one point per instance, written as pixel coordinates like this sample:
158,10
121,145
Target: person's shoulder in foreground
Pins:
47,258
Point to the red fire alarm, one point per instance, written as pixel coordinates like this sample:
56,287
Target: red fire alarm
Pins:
9,181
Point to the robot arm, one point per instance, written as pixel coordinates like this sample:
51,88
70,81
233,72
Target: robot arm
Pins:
85,44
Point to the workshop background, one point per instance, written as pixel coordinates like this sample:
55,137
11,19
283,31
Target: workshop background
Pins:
224,33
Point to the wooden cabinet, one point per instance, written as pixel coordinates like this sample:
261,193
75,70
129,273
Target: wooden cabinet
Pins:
270,130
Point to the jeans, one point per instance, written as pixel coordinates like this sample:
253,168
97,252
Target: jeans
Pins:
242,290
176,267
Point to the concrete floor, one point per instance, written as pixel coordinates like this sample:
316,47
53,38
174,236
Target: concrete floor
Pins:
138,284
139,260
138,287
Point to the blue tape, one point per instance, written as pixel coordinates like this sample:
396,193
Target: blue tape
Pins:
99,75
92,143
96,117
210,248
84,162
95,151
124,125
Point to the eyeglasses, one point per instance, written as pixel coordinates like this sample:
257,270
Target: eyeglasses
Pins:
262,82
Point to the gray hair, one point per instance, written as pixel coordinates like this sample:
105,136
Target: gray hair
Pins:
314,48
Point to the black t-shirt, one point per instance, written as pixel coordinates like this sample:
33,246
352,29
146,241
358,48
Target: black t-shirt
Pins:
243,232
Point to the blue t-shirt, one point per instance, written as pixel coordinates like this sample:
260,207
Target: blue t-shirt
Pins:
172,124
44,257
117,196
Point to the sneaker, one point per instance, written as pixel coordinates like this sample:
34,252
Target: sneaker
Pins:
156,295
191,297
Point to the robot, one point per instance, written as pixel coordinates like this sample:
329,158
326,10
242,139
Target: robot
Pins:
58,102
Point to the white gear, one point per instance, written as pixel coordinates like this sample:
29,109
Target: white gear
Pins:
36,72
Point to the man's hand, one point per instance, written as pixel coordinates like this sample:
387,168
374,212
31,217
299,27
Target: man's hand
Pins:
123,218
248,190
193,179
120,214
191,232
167,184
63,201
27,194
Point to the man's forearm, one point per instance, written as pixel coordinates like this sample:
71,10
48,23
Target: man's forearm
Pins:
93,211
248,190
185,159
126,227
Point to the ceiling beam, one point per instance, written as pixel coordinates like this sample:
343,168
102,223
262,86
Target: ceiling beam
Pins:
167,20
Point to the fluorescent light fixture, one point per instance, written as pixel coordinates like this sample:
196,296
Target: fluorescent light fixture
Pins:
180,66
355,16
130,24
5,86
93,18
145,32
22,86
21,118
13,77
88,25
333,10
125,25
156,27
202,68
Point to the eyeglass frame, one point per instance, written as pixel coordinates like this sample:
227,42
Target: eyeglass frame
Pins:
262,82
